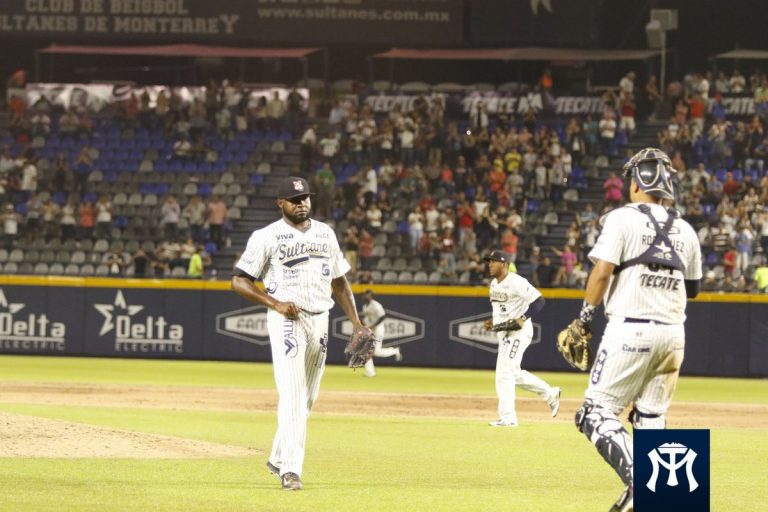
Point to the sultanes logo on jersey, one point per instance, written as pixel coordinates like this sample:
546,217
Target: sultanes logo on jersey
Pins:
471,331
399,328
139,333
671,469
26,331
298,186
248,324
292,254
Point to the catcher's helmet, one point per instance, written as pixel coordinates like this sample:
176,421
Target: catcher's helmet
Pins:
652,170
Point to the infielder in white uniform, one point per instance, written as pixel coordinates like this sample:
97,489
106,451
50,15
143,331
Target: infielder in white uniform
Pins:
647,264
300,263
514,300
373,315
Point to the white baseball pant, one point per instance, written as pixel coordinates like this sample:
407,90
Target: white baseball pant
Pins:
298,360
637,362
509,373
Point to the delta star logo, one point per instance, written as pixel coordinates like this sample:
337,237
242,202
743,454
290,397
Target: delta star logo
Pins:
28,331
134,334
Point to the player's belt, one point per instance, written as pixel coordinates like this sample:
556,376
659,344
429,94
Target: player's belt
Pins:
628,320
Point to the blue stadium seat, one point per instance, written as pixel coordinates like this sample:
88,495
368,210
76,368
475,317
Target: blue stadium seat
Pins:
533,206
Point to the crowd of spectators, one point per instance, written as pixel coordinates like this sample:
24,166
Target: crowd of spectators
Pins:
422,191
723,187
451,189
56,165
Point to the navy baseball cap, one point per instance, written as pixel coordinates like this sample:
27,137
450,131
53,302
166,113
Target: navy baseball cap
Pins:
497,255
293,186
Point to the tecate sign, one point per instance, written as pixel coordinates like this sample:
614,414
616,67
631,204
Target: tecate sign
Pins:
471,331
248,324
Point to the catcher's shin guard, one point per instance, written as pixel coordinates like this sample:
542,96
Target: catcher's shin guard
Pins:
642,420
605,431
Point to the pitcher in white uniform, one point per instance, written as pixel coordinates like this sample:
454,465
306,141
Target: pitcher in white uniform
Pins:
514,301
647,264
373,316
300,263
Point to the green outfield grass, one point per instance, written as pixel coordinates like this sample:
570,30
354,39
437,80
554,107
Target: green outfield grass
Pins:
353,463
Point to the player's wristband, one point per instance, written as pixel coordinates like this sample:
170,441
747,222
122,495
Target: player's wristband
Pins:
587,312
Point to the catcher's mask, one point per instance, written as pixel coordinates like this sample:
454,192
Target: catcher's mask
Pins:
652,170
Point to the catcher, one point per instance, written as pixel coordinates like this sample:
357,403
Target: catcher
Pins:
647,264
514,300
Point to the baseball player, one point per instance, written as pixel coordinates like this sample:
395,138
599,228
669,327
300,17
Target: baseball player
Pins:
373,315
647,264
300,264
514,301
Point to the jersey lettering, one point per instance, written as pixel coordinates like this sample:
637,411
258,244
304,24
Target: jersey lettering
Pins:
286,251
660,282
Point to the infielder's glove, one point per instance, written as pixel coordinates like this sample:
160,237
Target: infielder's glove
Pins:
573,344
360,347
514,324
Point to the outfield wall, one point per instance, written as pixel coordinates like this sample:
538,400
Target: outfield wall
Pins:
727,335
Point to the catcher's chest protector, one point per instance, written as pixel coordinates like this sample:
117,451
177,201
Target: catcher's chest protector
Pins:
661,252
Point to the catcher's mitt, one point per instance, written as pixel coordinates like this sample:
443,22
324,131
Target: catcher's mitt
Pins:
360,347
573,344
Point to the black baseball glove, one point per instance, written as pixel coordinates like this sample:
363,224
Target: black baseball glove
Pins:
360,347
514,324
573,344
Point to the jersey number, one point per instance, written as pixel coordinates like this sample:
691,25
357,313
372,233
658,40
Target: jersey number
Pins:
597,370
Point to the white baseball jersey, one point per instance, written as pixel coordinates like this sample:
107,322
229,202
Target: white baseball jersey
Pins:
639,291
510,298
371,314
295,266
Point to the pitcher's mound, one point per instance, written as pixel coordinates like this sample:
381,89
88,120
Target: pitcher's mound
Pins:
30,436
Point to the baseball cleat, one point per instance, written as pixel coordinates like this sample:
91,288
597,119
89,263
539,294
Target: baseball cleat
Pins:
291,482
273,469
554,401
626,501
399,355
500,423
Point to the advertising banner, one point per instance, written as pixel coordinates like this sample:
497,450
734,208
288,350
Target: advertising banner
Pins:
501,103
96,96
431,330
434,22
495,103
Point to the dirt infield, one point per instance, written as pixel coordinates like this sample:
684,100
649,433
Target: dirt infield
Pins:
26,436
